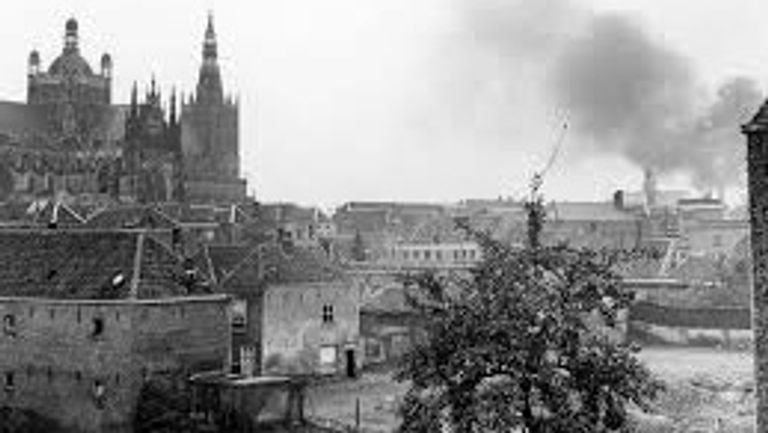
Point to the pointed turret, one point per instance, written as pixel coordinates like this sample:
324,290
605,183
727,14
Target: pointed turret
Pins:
210,51
134,100
70,36
209,89
172,107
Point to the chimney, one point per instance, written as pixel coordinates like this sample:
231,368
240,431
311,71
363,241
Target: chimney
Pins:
618,199
649,187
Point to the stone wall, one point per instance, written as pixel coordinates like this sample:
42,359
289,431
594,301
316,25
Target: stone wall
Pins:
82,362
294,334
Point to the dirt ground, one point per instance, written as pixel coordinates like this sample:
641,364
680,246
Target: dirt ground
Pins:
708,391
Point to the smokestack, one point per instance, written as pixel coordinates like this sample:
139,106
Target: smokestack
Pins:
618,199
649,187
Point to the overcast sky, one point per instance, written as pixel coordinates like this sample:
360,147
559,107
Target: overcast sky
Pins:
433,100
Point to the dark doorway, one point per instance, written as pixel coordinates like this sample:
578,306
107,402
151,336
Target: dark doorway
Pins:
351,366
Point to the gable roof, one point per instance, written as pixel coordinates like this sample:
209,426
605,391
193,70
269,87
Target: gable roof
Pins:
587,211
270,264
56,212
130,217
81,264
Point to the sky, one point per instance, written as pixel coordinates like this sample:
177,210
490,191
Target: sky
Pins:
441,100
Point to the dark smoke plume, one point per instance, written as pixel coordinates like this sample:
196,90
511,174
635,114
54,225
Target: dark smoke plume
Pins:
625,92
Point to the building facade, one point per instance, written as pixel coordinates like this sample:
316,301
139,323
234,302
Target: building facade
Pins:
68,139
82,362
756,132
209,134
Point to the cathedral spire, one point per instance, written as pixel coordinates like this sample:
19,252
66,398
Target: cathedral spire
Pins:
172,107
134,100
210,51
209,89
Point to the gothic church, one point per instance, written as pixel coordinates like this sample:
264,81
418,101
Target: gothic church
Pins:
70,141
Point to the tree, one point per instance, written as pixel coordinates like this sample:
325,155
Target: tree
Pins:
516,347
163,405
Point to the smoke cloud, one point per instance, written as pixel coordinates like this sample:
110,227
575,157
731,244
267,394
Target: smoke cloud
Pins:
624,92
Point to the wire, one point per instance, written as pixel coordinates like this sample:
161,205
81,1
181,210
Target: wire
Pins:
555,150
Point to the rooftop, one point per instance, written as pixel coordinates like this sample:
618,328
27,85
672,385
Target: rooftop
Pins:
87,264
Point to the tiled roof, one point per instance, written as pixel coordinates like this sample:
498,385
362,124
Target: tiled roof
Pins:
205,213
388,299
59,213
276,266
224,259
130,217
82,263
586,211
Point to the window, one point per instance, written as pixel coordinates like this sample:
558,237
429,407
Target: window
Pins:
98,393
438,255
406,255
98,327
9,325
327,355
49,374
472,254
455,254
78,376
10,382
327,313
427,255
416,255
79,316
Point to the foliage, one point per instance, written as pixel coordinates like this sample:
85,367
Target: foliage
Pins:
163,405
517,346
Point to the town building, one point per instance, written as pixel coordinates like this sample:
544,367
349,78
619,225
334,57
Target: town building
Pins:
756,132
299,313
90,315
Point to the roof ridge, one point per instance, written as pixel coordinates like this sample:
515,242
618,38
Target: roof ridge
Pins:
137,266
165,215
209,263
72,212
254,251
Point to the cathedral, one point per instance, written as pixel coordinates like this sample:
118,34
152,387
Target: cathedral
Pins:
70,141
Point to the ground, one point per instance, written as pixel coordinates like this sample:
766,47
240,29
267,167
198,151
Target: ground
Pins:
709,390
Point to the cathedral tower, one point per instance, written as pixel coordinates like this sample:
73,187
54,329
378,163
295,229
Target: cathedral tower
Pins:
70,91
209,134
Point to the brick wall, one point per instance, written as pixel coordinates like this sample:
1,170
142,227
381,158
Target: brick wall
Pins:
59,352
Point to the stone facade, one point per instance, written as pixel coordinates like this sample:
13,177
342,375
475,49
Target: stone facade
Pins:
311,328
757,171
209,134
82,362
70,140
